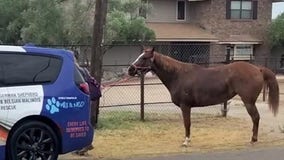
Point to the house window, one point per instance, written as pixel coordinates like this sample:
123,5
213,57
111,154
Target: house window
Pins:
243,52
180,10
241,9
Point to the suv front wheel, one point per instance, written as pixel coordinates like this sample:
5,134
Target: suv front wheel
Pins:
33,140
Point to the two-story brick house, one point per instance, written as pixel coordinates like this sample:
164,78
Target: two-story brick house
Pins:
236,26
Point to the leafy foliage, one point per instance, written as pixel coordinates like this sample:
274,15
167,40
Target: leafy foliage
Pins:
79,17
125,24
70,21
277,31
11,20
43,23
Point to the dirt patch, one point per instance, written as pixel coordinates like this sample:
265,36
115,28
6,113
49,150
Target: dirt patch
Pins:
272,125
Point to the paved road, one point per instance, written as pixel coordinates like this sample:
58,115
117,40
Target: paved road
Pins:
251,154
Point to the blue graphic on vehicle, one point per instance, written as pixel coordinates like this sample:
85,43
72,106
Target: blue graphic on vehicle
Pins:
53,105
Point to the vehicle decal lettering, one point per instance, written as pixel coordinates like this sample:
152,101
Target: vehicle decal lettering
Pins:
18,102
54,105
77,129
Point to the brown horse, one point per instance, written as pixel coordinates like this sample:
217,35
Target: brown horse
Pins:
191,85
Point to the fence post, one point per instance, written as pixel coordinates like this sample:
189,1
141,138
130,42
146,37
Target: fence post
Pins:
224,110
264,85
228,55
264,93
250,58
142,97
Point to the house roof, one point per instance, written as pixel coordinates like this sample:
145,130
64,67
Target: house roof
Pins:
180,32
240,39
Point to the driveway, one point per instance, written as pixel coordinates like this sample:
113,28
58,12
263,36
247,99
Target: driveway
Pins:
274,153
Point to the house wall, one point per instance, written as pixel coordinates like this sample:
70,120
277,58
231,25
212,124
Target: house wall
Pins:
212,16
118,58
165,11
200,13
121,55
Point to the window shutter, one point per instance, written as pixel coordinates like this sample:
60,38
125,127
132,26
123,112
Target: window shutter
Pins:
254,9
228,9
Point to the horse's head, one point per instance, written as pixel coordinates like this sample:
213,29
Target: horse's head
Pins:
143,63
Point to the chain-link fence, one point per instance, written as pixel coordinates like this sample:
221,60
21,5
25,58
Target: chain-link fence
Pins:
122,93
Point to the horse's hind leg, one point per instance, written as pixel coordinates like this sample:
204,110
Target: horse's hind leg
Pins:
253,112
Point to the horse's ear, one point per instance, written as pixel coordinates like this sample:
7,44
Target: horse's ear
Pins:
149,50
153,49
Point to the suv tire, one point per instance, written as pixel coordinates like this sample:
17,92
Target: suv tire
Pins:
33,140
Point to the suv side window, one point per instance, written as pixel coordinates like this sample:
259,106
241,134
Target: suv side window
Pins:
24,69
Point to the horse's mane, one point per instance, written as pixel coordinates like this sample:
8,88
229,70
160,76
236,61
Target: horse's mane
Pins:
171,64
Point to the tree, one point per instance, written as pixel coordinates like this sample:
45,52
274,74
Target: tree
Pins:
123,24
78,21
126,24
11,20
97,50
97,39
46,22
70,22
43,23
277,31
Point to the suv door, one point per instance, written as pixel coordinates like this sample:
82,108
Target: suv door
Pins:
24,75
3,108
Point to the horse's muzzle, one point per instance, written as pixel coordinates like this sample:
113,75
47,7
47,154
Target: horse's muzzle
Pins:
132,70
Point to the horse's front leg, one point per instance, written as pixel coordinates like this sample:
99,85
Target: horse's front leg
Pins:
186,113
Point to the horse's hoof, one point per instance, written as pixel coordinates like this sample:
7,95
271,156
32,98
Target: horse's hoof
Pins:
253,140
185,145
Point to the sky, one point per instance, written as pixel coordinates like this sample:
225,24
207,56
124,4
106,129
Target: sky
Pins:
277,8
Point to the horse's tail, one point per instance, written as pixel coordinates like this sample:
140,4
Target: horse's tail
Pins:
273,95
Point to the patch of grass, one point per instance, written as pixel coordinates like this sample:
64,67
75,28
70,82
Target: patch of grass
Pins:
122,135
129,120
118,120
